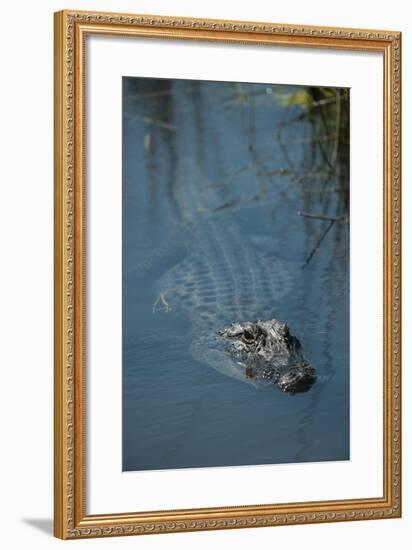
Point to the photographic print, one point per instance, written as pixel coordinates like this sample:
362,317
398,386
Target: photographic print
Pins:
235,274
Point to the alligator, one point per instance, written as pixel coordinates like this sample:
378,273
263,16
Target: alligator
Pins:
226,279
268,351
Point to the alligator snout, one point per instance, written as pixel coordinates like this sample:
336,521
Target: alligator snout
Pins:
298,379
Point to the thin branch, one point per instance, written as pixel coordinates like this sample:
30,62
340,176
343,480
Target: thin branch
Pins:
153,121
157,93
229,178
317,245
331,220
337,130
298,175
283,149
322,217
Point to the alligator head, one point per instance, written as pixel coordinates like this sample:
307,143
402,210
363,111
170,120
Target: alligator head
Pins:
269,352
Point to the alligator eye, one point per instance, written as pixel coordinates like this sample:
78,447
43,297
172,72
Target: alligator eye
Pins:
247,335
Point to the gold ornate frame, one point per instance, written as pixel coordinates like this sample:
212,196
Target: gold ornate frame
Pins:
71,520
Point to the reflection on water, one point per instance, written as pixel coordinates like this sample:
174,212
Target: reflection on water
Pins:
235,204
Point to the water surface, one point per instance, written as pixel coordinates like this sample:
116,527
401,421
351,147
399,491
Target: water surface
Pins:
265,159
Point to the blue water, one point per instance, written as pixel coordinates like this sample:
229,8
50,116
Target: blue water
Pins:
264,162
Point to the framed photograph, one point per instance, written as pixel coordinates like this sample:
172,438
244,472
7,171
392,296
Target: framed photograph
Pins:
227,274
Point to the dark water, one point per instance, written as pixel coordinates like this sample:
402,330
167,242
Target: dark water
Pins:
248,156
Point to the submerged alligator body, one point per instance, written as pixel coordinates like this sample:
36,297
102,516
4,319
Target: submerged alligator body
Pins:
226,279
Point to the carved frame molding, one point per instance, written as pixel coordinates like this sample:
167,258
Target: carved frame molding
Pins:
71,520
